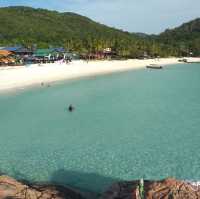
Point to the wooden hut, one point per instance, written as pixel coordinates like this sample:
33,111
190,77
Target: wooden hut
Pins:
106,53
19,50
5,53
6,58
20,53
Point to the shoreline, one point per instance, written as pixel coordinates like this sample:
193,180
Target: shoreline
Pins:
20,77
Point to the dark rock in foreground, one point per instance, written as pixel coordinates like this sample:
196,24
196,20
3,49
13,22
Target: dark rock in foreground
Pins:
165,189
12,189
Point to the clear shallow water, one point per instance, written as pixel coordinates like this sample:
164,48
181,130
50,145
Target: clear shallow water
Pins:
126,126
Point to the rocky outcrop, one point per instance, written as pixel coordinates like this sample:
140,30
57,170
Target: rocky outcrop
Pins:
10,188
165,189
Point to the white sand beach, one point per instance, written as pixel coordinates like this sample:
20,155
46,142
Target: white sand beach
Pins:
33,75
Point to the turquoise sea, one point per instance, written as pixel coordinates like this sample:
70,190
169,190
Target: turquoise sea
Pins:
143,123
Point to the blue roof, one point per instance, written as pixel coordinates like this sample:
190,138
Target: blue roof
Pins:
23,50
12,48
60,49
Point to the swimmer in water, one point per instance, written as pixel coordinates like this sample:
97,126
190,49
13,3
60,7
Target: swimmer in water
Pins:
71,108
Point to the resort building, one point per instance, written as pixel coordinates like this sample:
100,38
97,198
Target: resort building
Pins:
106,53
46,55
6,58
54,54
19,50
19,55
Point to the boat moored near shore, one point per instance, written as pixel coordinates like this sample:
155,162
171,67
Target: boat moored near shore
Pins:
154,66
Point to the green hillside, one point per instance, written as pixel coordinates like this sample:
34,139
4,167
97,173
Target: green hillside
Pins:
185,38
28,26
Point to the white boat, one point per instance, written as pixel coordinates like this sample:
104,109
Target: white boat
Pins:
154,66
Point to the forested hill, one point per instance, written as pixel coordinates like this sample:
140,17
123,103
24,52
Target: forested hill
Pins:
29,26
185,38
24,25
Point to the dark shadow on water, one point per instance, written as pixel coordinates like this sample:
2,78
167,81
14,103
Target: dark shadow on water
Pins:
90,185
87,183
2,173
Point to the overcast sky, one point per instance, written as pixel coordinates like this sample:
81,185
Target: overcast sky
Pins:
148,16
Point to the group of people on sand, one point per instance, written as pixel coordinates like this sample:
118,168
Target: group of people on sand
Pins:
61,61
43,84
64,61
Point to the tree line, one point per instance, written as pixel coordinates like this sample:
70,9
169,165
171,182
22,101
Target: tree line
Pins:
43,28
